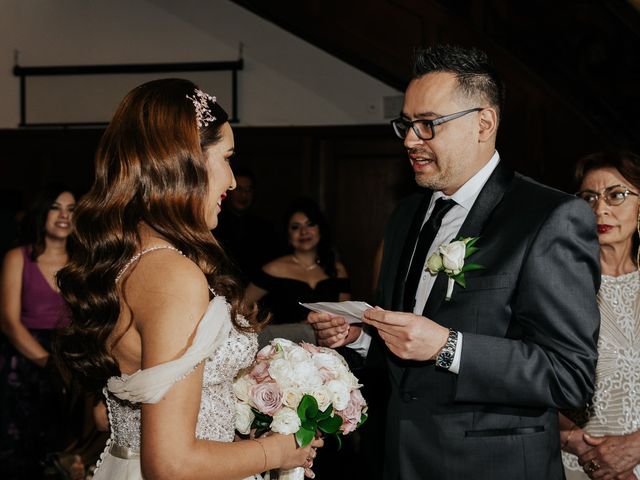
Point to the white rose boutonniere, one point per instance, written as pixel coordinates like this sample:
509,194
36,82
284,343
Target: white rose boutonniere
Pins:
449,258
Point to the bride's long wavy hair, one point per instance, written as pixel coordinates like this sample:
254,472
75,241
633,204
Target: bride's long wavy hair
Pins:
150,167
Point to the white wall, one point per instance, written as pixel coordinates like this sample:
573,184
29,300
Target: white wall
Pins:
285,80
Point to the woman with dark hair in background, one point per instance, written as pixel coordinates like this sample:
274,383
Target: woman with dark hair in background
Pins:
31,309
310,273
606,442
155,315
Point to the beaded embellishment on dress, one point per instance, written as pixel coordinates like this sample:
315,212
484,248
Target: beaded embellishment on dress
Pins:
216,419
615,408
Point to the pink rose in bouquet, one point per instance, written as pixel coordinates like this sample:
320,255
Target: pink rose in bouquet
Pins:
352,414
267,397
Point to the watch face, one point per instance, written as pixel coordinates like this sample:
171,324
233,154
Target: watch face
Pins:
445,359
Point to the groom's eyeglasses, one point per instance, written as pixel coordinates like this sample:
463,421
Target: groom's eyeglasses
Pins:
613,196
425,129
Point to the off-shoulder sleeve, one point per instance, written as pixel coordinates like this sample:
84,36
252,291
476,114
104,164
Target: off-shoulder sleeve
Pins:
151,384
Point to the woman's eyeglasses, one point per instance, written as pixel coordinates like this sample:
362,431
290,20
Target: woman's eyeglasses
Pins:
613,196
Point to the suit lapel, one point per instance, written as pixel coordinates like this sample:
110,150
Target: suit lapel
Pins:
490,195
407,251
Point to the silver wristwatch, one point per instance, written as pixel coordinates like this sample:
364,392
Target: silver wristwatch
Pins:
445,356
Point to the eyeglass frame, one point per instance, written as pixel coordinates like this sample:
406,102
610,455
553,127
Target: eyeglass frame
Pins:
599,195
432,122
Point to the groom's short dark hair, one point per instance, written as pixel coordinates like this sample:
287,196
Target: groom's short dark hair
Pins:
475,73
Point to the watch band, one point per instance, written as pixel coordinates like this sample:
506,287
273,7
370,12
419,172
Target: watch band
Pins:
445,356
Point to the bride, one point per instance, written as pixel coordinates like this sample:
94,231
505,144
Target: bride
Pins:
157,322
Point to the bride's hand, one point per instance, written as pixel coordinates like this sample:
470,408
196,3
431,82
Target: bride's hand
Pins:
300,457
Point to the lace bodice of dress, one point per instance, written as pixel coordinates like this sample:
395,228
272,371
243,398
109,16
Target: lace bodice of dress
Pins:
216,419
616,403
615,408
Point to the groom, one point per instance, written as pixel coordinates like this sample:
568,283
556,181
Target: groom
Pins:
476,380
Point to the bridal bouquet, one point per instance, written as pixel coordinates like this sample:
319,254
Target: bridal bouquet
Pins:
298,389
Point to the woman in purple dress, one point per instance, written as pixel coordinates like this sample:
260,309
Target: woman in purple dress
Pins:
31,308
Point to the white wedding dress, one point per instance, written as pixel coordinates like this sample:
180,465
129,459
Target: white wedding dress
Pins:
223,349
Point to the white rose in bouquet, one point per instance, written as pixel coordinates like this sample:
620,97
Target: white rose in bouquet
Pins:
241,387
330,367
281,371
297,355
323,396
244,418
286,421
349,379
340,394
306,375
291,396
334,353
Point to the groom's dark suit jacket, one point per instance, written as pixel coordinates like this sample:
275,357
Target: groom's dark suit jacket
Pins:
530,323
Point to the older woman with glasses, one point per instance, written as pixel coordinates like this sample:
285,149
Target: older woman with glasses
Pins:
605,443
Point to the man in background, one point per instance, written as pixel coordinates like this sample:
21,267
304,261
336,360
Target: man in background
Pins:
247,238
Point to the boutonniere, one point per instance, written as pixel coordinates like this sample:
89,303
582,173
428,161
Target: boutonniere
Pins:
449,258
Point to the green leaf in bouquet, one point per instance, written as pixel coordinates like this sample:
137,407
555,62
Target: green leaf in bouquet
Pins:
330,424
261,416
309,425
326,413
304,436
261,419
261,422
363,418
308,407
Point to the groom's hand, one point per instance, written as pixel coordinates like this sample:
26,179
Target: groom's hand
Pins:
408,336
332,331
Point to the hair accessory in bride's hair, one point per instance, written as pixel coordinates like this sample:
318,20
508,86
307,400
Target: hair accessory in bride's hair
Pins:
201,103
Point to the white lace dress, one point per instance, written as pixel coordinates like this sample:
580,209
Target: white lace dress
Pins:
223,349
615,409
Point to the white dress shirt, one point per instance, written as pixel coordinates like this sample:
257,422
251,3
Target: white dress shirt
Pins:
464,197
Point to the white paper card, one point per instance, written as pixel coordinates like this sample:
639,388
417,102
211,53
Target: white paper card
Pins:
351,311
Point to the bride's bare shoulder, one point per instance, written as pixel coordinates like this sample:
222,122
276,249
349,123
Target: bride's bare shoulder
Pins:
164,286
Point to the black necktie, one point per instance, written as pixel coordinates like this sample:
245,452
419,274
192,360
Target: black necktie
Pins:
427,235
